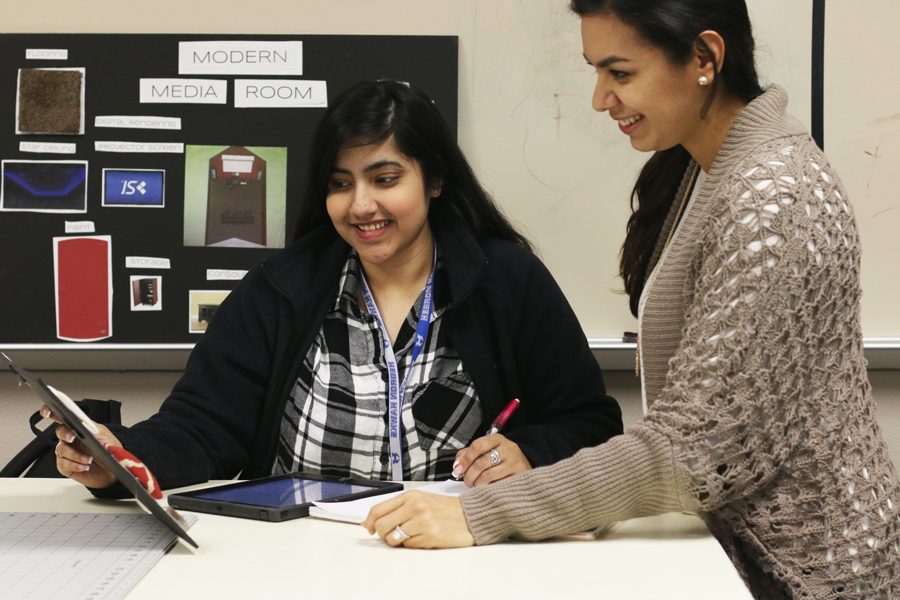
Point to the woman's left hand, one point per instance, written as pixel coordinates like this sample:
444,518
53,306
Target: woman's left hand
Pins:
489,458
420,520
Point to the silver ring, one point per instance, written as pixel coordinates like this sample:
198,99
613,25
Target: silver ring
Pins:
495,457
398,535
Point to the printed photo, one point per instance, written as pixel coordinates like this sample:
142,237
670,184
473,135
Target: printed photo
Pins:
44,186
50,101
82,268
202,304
134,188
234,196
146,292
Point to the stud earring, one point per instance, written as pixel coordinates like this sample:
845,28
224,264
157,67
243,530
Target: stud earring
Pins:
703,80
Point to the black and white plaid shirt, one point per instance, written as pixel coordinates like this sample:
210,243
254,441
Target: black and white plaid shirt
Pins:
335,421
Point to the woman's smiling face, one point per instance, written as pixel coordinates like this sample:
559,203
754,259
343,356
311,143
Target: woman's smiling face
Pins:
378,202
656,103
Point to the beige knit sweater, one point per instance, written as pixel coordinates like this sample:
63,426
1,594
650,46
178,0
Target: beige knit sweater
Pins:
760,413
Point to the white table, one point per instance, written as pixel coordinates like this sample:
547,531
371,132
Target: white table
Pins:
666,557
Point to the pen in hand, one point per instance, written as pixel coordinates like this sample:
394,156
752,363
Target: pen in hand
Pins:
495,427
503,417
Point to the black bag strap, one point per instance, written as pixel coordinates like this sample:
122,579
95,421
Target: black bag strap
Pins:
40,453
46,434
25,458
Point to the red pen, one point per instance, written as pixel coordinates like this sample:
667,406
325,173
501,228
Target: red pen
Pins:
503,417
495,427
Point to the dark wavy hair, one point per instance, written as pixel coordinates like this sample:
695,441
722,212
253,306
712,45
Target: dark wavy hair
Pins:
371,112
674,27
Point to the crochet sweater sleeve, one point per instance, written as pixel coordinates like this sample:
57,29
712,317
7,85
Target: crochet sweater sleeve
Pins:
775,252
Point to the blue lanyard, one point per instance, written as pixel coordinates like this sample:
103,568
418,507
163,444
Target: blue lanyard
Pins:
396,390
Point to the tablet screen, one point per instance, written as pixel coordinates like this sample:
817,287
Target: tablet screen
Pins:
282,493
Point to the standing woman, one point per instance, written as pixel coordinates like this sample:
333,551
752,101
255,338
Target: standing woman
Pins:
384,341
741,261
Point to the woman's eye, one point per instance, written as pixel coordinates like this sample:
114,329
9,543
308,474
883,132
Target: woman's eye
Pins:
338,184
618,75
386,179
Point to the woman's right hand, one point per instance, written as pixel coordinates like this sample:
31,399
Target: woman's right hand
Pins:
73,461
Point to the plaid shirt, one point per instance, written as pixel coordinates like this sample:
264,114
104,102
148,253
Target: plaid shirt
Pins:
335,421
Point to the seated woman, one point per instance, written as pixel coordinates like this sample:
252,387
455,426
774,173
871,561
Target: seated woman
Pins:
407,313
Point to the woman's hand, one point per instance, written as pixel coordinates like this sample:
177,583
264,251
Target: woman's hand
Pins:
489,458
73,461
420,520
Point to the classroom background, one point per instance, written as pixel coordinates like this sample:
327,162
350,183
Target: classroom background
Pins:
560,170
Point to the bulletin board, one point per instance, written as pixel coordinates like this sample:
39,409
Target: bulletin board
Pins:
143,175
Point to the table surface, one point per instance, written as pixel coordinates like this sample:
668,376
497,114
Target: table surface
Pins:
669,556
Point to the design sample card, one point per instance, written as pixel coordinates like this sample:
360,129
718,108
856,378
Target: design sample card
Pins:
83,276
134,187
234,196
146,292
50,101
202,304
44,186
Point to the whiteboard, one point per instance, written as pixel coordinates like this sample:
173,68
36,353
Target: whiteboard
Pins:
561,171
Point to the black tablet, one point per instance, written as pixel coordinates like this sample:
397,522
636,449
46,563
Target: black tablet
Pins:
80,425
278,498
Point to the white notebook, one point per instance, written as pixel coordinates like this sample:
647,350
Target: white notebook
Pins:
355,511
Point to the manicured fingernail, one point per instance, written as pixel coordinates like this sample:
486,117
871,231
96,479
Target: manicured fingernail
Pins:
70,438
45,412
456,470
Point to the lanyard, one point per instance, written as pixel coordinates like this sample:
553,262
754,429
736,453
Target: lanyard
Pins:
396,389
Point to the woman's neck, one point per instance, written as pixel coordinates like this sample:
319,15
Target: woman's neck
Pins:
705,144
401,273
396,284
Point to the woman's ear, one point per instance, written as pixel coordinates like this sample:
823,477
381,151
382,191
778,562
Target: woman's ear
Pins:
710,54
435,187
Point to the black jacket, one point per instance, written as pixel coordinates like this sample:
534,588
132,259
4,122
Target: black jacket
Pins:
510,324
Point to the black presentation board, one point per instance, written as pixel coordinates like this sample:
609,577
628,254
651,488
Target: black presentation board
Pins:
114,64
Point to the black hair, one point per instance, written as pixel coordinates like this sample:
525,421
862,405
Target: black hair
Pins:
371,112
674,27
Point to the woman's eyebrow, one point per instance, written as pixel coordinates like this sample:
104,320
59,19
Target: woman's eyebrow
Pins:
606,61
369,168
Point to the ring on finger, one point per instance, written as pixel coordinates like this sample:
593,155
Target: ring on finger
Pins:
495,457
398,535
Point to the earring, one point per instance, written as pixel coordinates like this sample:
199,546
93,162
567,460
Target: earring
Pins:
703,80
